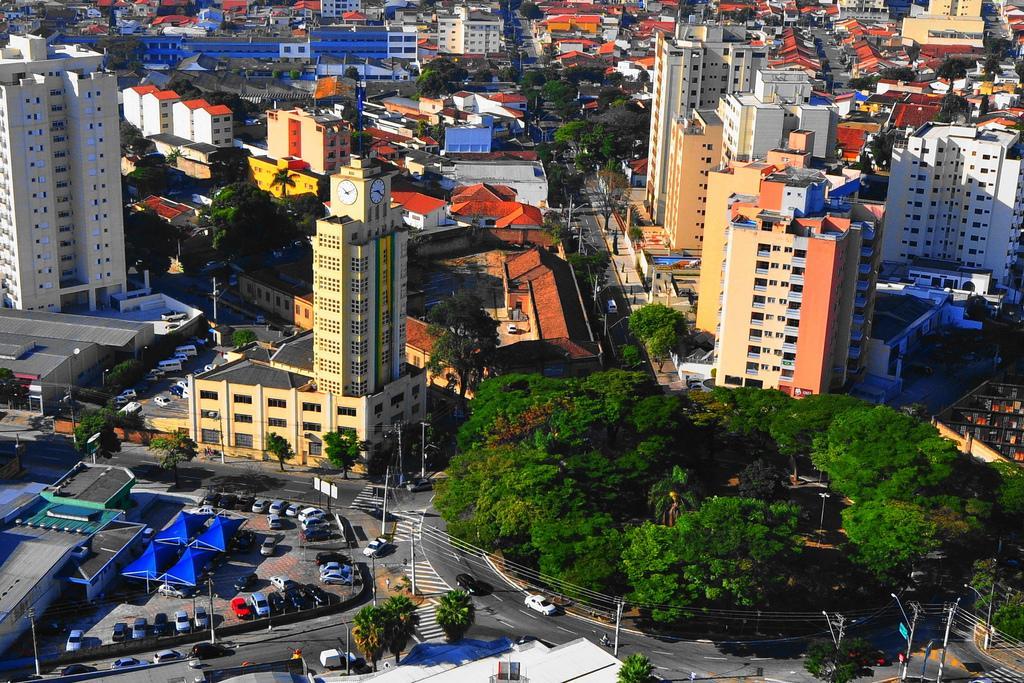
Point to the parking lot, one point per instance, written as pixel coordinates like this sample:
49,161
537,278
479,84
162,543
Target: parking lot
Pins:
176,405
290,558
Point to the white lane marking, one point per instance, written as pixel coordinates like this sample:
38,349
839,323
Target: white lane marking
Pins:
562,628
528,614
498,598
662,652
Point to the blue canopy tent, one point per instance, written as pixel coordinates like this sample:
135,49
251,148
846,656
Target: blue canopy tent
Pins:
219,534
152,563
182,529
189,567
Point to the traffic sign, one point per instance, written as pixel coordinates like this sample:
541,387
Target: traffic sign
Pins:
904,632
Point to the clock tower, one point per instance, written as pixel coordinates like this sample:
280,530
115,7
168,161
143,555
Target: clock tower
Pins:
361,191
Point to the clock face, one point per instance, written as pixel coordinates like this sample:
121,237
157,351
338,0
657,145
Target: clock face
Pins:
377,191
347,192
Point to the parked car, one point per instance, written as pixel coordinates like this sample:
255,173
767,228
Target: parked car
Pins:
336,579
469,584
326,556
183,383
274,522
160,624
139,628
259,604
170,591
268,546
314,523
154,374
126,396
376,547
208,367
297,598
75,669
277,507
612,306
228,501
292,510
120,632
202,617
244,539
166,656
182,624
177,391
538,603
124,663
318,595
281,582
315,534
419,484
276,602
240,607
209,651
260,505
245,581
309,513
162,401
74,641
331,567
245,501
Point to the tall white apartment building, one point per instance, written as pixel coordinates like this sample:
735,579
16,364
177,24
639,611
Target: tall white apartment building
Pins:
148,108
61,229
468,32
200,121
956,193
334,9
692,71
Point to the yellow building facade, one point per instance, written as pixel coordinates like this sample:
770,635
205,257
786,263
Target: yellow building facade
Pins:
263,171
696,150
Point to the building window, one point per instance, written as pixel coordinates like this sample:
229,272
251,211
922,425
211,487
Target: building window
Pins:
243,440
311,426
347,412
311,407
244,419
212,395
277,422
277,403
242,398
210,436
315,448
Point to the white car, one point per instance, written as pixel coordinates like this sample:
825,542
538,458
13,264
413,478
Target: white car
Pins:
336,579
162,400
376,547
259,604
183,383
293,510
166,656
124,663
330,567
127,395
208,367
538,603
260,505
74,641
277,507
313,523
182,624
307,513
274,522
171,591
280,582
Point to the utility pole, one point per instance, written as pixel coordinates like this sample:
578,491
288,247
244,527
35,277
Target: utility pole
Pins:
412,562
373,578
618,623
215,299
423,451
945,639
213,633
916,609
35,647
384,505
401,456
348,635
988,618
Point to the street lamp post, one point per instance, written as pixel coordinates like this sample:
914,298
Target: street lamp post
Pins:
821,520
423,449
71,398
910,636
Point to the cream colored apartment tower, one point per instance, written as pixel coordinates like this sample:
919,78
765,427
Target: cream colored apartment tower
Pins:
61,230
696,150
692,71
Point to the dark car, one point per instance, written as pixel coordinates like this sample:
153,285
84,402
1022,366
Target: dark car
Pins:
318,595
314,534
72,669
297,599
159,624
245,502
120,632
228,501
331,556
244,539
246,581
276,602
209,651
469,584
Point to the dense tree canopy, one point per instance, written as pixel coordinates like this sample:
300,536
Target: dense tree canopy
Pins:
247,220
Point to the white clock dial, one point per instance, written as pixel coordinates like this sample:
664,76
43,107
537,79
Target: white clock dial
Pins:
377,191
347,192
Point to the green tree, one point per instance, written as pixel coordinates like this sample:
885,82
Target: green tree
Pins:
762,480
247,220
279,447
122,52
344,449
954,109
636,668
464,336
529,10
124,374
611,192
659,328
826,662
899,73
1010,493
100,422
881,146
133,141
241,338
150,241
952,69
888,535
148,180
672,495
369,633
455,614
400,621
630,356
13,391
173,450
284,180
352,73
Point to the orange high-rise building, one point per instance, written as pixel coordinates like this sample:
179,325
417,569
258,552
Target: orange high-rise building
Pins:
323,141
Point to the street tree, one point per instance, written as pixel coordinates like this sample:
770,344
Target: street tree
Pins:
343,449
278,446
630,356
100,422
242,337
13,392
762,480
369,633
464,336
400,621
954,109
841,664
172,450
611,192
124,374
659,327
455,614
247,220
636,668
150,241
887,536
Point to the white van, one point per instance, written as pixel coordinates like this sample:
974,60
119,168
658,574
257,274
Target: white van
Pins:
188,349
133,408
170,364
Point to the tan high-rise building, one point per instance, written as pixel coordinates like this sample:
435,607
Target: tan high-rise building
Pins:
61,226
323,141
696,150
692,71
788,281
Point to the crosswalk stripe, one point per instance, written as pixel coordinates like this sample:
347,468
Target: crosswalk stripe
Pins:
427,627
1002,674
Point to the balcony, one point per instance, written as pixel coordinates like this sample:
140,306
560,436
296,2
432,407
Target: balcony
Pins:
791,329
796,296
755,339
753,356
798,262
764,253
793,313
786,346
860,301
866,252
864,269
760,288
795,279
757,305
856,335
761,271
754,322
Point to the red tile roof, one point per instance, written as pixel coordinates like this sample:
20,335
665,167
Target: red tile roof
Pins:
144,89
557,310
165,208
417,336
417,202
905,115
483,192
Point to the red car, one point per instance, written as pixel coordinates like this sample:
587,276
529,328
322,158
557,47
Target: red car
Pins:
240,607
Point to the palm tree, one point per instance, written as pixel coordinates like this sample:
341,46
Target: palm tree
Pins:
635,668
284,179
673,493
368,632
454,614
400,621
